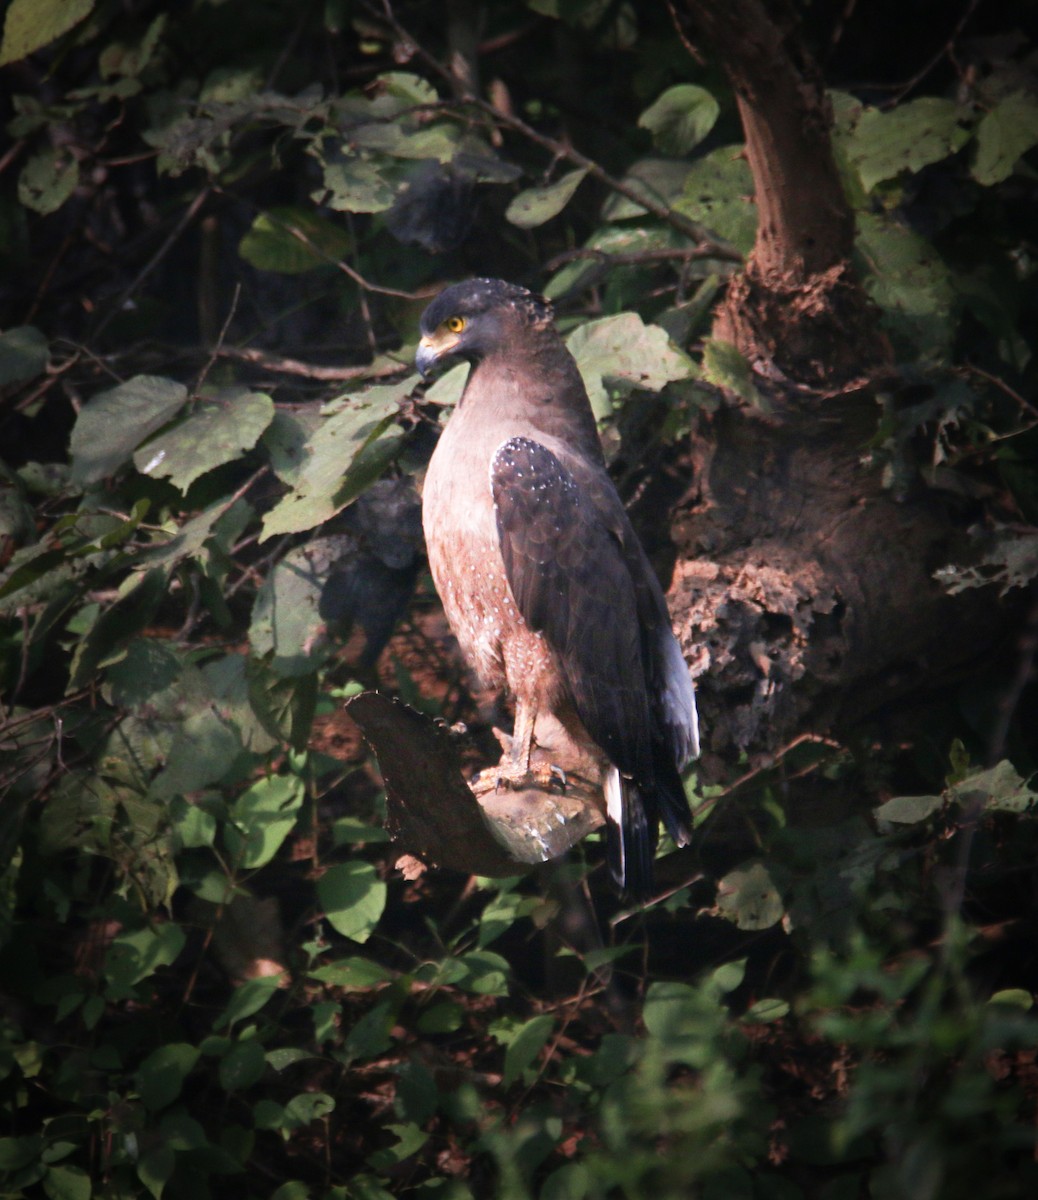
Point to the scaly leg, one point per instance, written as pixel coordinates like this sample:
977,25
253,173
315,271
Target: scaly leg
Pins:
515,769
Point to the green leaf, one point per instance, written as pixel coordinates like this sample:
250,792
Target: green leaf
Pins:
724,366
748,896
658,180
214,433
307,1107
294,1189
148,666
539,204
205,749
23,354
480,971
155,1169
118,624
191,824
248,998
441,1018
570,1182
136,955
620,354
717,191
353,897
1013,998
338,460
907,138
287,620
1004,135
274,242
683,1021
114,423
286,1056
680,119
524,1045
48,179
282,701
372,1034
160,1077
355,185
32,24
410,1139
763,1012
67,1183
1000,789
410,90
352,974
908,280
262,818
128,60
908,810
447,389
242,1066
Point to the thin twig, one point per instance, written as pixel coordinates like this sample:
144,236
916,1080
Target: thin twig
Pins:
186,218
214,354
1001,384
930,64
560,150
293,366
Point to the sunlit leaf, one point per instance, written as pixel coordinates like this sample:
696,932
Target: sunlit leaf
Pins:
114,423
214,433
907,138
352,897
346,452
617,355
261,818
524,1045
249,997
748,896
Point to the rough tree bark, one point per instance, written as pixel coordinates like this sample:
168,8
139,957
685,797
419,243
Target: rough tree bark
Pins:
804,587
796,307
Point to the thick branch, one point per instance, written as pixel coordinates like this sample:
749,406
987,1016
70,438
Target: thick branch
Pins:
797,306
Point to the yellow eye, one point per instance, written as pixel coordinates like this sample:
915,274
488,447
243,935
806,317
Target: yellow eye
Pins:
455,324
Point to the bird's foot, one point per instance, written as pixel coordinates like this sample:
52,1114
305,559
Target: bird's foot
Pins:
517,777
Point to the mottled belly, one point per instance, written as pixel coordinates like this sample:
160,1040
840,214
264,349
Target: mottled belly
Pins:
493,636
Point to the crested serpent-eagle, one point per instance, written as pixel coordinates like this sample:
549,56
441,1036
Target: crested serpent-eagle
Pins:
542,577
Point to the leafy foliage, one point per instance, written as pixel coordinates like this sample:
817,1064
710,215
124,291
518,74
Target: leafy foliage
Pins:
218,225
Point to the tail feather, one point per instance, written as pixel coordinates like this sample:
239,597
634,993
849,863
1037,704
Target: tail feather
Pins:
630,836
672,801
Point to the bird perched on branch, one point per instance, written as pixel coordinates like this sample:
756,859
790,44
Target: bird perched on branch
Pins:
542,577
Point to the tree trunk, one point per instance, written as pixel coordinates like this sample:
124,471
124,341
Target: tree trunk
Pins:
797,306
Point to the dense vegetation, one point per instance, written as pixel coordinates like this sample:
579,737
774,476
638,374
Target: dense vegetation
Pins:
219,223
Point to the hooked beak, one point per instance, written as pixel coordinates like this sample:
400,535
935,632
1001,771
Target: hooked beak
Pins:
435,351
425,357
